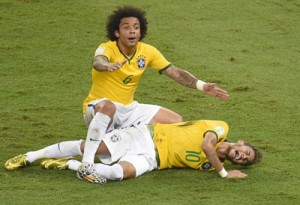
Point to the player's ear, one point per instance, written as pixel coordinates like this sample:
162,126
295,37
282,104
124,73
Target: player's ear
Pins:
241,142
117,34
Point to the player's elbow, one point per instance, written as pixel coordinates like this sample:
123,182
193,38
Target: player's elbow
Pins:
204,146
209,141
207,147
96,66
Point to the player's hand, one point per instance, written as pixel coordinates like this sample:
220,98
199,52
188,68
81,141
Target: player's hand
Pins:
235,174
212,90
115,66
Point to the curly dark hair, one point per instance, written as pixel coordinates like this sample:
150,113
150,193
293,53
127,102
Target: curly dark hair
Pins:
113,21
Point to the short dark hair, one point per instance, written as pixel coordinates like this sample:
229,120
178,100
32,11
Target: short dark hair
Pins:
113,21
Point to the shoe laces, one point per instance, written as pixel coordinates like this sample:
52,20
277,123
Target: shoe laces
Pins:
20,158
88,169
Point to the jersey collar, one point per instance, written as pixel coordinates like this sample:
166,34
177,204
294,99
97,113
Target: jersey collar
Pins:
128,58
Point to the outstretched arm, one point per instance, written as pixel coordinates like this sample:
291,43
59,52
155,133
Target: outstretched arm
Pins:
210,139
100,63
185,78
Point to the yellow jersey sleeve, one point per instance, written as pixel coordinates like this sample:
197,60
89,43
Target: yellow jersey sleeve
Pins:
157,60
110,51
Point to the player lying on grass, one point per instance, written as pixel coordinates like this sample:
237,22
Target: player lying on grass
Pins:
130,152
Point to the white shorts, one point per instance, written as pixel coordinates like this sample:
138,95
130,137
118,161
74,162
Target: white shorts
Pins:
132,144
125,116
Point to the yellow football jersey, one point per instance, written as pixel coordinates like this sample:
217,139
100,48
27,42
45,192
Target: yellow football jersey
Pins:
120,85
180,145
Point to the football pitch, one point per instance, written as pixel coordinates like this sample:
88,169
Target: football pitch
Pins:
248,47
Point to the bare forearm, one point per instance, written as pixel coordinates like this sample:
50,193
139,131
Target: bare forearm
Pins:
213,159
100,63
187,79
210,140
181,76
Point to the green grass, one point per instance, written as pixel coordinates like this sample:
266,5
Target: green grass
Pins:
250,48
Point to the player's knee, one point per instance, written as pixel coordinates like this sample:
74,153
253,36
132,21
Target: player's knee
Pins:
82,144
176,118
106,107
128,170
166,116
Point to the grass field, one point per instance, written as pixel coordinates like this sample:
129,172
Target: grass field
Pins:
249,48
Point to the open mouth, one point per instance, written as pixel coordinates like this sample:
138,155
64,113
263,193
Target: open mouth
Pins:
131,39
237,154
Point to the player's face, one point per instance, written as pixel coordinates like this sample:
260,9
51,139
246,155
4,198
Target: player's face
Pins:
129,32
240,154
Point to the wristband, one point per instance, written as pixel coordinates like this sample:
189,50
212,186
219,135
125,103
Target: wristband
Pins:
200,85
223,173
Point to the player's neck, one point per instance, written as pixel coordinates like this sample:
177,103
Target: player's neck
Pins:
222,150
128,51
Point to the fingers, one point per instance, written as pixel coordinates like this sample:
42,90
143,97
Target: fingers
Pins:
236,174
242,175
212,90
222,94
115,66
124,61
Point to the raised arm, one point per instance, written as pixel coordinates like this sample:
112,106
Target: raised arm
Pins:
210,140
187,79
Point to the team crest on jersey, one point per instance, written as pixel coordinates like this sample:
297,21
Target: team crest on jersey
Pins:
206,165
141,61
115,138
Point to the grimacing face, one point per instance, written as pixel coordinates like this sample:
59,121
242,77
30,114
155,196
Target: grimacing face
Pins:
240,154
